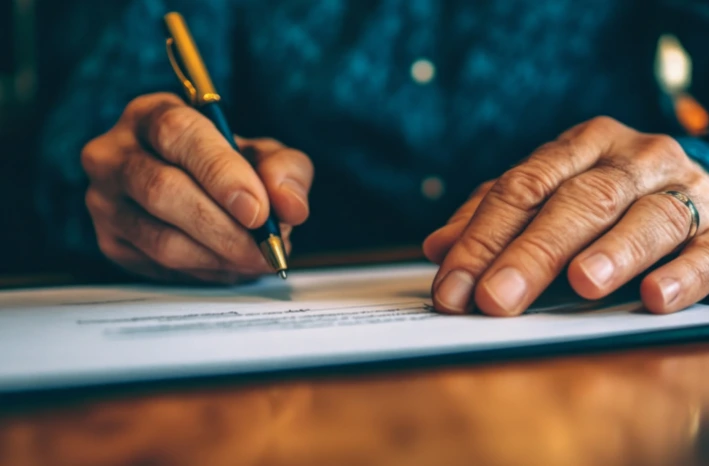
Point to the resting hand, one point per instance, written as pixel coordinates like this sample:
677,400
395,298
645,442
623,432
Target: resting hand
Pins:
590,201
171,200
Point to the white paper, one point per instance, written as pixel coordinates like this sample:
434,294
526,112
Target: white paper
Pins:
58,337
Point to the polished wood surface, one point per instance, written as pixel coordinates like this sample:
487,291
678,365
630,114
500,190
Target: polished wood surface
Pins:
638,407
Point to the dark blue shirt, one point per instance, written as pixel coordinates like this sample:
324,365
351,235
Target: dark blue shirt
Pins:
405,106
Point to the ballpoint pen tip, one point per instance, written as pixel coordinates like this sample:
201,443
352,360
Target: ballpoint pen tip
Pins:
283,274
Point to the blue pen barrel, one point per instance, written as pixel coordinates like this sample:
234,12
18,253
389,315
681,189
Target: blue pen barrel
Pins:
214,112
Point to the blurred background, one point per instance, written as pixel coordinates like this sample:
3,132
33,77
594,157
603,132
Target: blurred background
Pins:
40,42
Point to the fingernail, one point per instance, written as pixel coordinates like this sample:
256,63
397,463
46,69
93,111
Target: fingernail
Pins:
598,268
297,190
507,287
455,290
244,207
286,230
669,287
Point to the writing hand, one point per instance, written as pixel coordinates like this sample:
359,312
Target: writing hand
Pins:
171,200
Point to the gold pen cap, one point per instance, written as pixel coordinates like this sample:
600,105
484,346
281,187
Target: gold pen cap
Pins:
187,62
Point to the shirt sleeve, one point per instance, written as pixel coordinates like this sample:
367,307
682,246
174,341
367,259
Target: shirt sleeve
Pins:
697,149
129,60
688,20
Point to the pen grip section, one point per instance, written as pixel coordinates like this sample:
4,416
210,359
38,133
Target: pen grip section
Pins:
266,230
215,114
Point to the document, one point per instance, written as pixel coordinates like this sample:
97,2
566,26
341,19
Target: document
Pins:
78,336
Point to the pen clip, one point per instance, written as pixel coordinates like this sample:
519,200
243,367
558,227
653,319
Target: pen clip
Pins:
184,80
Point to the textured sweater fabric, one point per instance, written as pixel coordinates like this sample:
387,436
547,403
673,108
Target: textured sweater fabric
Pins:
405,106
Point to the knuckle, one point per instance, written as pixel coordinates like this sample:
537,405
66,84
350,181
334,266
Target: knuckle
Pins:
544,253
90,156
666,147
563,157
169,124
627,175
675,214
145,102
477,251
645,157
598,196
599,127
603,123
137,105
158,188
635,250
211,170
524,187
637,247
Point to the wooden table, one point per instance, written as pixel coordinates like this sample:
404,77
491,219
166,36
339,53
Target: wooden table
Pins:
633,407
640,407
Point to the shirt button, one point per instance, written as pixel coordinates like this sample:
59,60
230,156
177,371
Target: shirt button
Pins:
423,71
432,188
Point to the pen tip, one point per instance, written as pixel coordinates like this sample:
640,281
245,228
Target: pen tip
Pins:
283,274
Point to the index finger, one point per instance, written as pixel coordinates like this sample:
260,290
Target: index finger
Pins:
186,138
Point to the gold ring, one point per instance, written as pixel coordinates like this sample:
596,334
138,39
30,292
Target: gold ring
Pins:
684,199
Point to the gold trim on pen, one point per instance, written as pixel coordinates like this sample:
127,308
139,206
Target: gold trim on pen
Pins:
187,62
274,251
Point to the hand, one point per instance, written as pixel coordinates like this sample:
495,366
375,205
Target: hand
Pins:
171,200
588,200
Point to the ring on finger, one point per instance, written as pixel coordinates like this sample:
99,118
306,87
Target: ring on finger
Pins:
694,213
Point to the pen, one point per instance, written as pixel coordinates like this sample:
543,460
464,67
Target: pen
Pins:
187,63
